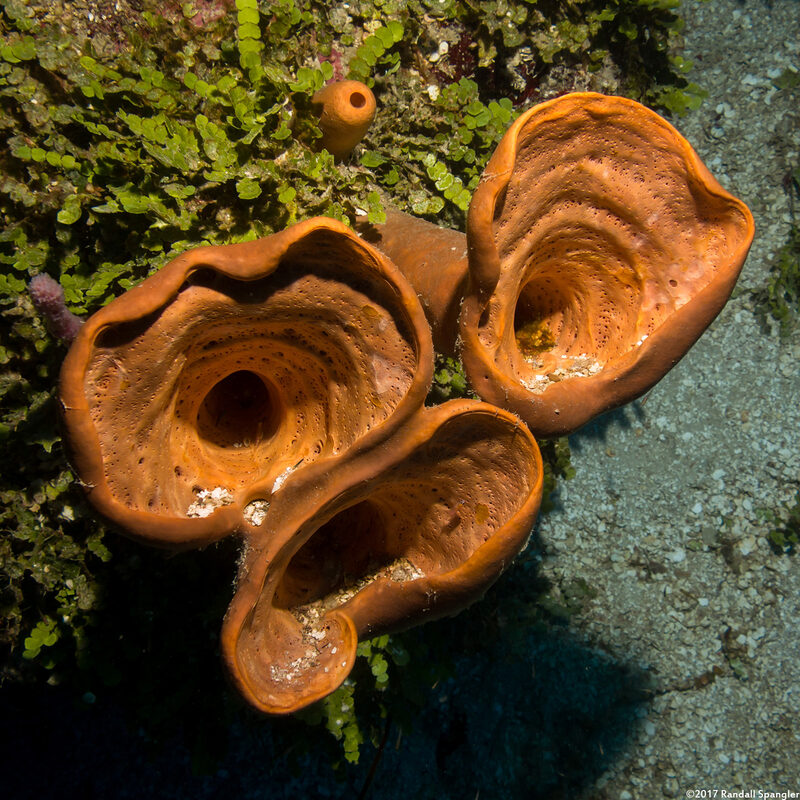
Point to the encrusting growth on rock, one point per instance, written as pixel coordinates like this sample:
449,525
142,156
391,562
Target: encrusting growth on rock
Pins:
346,110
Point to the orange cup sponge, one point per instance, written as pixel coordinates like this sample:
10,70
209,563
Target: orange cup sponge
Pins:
600,248
274,389
346,110
235,366
399,535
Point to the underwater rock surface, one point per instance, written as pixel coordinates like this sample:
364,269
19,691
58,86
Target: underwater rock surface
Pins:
682,672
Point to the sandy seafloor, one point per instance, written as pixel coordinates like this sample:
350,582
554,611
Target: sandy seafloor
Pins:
682,674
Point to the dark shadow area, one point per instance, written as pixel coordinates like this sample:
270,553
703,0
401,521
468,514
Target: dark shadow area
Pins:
530,712
541,721
555,501
599,428
524,710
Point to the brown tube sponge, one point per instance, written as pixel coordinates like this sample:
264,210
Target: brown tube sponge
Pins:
434,260
600,248
235,366
346,110
412,530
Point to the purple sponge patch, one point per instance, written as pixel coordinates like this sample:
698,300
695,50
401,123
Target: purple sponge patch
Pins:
48,298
